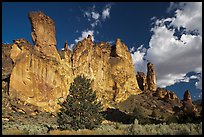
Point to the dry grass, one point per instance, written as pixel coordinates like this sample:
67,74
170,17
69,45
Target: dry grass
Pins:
14,132
86,132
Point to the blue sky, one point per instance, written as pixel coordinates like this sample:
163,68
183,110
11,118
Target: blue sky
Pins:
161,32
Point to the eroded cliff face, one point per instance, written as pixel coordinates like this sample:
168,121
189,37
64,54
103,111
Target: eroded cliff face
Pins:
91,60
112,77
41,75
122,72
37,79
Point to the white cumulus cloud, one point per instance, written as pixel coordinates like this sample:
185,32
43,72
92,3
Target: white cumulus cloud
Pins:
106,13
84,34
96,17
189,16
174,56
138,59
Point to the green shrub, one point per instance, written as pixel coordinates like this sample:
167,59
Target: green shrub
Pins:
139,113
172,119
80,110
154,114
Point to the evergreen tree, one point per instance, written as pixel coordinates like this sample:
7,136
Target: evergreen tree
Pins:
80,110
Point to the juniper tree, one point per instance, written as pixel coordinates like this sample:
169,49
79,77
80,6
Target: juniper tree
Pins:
80,110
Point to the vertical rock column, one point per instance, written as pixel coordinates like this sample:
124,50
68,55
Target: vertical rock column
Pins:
44,34
187,97
151,77
188,106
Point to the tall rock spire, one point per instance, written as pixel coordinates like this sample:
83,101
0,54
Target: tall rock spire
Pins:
44,34
151,77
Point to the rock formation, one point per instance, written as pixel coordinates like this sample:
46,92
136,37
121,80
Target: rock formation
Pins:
188,106
41,75
151,77
110,77
44,34
7,66
92,61
187,97
37,79
162,93
122,71
142,81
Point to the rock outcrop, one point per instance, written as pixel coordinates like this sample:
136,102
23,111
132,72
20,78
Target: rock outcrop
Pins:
162,93
44,34
151,77
188,106
38,79
187,97
112,79
142,81
7,66
41,75
122,71
92,61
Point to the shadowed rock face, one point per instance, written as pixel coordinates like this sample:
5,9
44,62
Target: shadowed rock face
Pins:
187,97
151,77
188,106
142,81
7,64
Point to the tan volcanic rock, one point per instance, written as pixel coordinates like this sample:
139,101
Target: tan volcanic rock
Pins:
151,77
111,76
44,34
122,71
142,81
37,79
41,75
92,61
166,94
